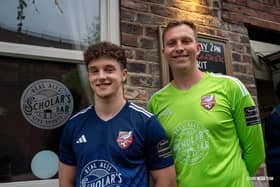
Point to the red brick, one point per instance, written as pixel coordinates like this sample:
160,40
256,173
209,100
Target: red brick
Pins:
131,28
149,19
190,6
154,69
234,37
128,15
240,2
256,5
151,32
236,57
237,47
246,59
244,39
140,80
129,40
136,67
163,11
132,4
147,43
155,1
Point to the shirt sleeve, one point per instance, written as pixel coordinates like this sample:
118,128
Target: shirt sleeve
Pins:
248,126
66,152
157,146
150,105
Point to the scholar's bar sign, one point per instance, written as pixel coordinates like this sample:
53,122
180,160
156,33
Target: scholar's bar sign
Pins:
46,104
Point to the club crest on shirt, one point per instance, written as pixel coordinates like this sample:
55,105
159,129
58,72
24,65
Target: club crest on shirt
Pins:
125,139
208,101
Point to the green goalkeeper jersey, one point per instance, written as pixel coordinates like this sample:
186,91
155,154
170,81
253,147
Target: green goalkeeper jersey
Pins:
214,131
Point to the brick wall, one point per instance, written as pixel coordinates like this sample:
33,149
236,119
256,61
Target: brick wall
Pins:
140,20
261,13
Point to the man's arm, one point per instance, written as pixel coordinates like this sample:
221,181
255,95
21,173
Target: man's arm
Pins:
165,177
66,175
249,129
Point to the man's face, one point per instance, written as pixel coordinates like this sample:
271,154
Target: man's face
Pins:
106,77
180,48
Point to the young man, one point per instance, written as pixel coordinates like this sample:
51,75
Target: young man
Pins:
211,120
114,142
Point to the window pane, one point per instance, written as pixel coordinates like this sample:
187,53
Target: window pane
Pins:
25,141
68,24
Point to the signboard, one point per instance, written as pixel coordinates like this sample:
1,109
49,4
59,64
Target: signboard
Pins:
214,55
47,104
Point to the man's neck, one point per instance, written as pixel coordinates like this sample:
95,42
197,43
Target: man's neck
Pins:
186,80
107,108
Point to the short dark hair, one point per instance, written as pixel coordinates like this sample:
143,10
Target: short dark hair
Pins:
176,23
105,49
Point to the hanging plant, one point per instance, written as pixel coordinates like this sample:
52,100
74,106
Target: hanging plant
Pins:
20,16
22,4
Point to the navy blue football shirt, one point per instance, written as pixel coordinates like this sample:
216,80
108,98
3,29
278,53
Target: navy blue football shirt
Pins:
117,152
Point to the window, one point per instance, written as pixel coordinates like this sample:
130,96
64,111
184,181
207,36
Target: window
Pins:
61,24
47,46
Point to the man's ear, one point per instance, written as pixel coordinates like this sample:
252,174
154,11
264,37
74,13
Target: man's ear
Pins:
198,48
125,72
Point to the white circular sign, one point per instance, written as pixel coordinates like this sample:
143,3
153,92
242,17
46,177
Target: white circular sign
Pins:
44,164
46,104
